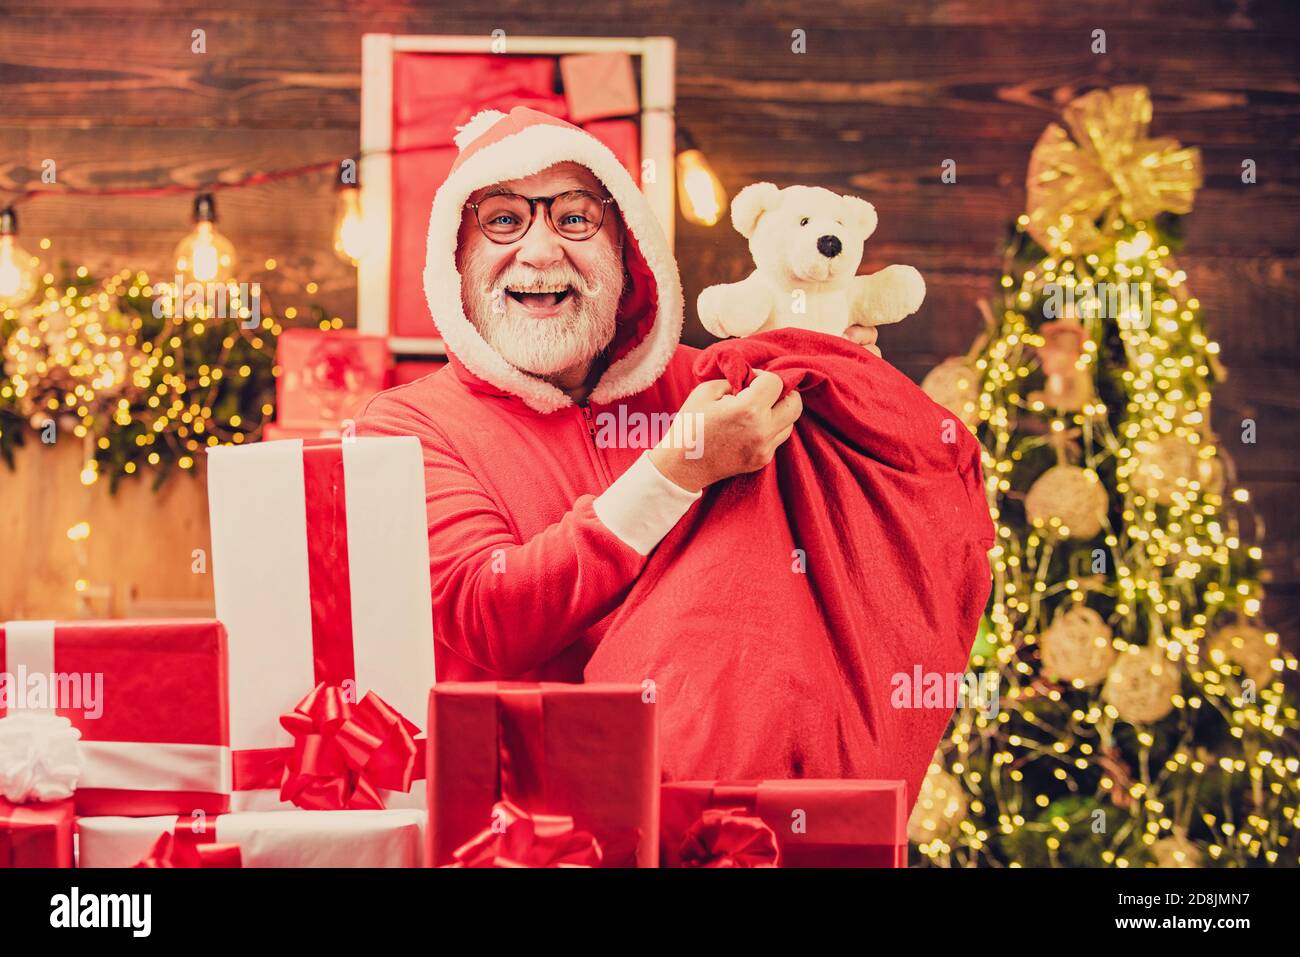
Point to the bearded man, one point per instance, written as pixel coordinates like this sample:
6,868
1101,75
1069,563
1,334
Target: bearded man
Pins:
558,300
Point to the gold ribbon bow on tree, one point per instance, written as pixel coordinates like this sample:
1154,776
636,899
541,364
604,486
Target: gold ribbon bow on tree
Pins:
1082,191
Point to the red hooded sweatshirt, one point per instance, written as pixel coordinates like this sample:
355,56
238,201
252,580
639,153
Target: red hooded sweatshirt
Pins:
541,512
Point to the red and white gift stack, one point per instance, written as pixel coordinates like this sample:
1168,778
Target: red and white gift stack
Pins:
321,577
112,717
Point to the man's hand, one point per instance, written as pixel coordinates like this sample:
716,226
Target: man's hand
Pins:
864,336
716,435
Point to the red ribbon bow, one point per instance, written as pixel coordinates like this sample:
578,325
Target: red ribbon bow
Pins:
516,838
730,837
172,851
344,753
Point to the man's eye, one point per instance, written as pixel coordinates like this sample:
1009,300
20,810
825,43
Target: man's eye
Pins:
505,219
573,219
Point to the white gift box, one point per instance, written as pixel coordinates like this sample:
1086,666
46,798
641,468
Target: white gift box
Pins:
268,838
320,554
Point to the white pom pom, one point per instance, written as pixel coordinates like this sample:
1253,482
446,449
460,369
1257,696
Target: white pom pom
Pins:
479,124
39,760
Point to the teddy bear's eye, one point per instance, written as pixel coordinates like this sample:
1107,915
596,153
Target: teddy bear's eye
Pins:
804,221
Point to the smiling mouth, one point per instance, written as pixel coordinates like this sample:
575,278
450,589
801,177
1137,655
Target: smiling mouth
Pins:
540,298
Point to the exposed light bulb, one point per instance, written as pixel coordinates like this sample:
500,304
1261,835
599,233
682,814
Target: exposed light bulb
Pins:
18,267
204,254
350,239
699,191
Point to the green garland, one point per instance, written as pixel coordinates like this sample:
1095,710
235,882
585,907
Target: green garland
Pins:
108,364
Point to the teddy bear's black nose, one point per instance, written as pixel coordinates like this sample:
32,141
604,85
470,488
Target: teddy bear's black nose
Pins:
829,246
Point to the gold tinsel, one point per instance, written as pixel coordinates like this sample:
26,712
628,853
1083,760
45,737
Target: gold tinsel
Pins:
1082,190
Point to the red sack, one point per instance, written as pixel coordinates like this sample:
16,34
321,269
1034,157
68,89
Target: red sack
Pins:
774,619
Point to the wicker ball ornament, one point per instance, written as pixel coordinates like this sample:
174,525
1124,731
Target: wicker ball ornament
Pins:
940,806
1168,465
1077,647
1073,496
954,384
1245,645
1141,684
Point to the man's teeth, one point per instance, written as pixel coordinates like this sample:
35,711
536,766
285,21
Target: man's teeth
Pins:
539,295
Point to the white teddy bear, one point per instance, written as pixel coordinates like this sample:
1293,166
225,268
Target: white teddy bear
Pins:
807,243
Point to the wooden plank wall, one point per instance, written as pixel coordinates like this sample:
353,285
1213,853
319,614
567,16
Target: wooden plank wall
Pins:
885,92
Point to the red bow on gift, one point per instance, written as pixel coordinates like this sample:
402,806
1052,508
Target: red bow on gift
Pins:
516,838
344,753
170,851
730,837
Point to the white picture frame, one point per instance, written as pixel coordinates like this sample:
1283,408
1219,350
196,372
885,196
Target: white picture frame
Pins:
658,97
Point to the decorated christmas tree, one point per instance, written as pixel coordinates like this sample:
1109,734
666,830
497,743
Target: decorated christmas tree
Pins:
1142,716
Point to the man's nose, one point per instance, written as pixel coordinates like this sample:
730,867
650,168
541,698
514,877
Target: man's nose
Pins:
540,246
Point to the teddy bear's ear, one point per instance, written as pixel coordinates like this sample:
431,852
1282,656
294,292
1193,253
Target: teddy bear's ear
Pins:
860,213
751,203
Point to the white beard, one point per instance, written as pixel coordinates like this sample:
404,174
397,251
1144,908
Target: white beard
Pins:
584,326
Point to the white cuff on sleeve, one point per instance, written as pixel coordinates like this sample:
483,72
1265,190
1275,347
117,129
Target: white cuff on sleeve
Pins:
643,505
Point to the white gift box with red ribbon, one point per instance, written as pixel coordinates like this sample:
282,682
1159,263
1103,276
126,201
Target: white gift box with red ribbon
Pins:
321,576
264,839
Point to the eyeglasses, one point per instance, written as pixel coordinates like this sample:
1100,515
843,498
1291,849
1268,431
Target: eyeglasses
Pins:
507,217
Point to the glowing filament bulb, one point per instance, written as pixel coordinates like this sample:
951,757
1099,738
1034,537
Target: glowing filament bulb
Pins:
205,255
17,266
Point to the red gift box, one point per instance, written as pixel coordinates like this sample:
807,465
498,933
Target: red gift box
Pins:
325,376
797,823
542,774
599,85
36,835
149,698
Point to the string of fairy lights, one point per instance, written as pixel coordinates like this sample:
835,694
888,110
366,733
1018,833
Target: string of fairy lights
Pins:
207,255
1093,645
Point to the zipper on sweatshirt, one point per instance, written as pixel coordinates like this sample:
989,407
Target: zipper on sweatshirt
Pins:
599,459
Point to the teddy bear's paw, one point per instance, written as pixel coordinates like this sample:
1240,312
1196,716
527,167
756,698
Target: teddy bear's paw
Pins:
909,289
711,307
891,295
